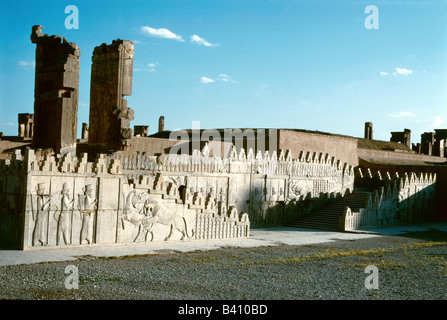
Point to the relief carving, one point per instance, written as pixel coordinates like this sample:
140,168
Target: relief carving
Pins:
87,207
40,216
63,216
296,190
160,214
144,213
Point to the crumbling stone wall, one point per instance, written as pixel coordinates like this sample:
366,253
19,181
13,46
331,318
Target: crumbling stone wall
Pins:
56,92
111,80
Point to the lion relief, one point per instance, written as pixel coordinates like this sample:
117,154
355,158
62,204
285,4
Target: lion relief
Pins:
144,214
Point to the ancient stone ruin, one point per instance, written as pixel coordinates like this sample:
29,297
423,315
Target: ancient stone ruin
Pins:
402,137
111,80
368,130
26,125
56,92
141,131
116,185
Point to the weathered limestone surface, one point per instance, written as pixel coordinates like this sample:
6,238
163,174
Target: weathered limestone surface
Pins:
71,201
395,200
56,92
111,80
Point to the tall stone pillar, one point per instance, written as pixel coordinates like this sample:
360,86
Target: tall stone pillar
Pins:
440,142
161,124
368,130
26,125
111,80
427,142
56,92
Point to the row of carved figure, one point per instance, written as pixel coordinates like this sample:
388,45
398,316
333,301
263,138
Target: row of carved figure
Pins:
307,165
63,209
159,214
397,200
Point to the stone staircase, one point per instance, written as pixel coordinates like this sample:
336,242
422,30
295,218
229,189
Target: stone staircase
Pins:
327,218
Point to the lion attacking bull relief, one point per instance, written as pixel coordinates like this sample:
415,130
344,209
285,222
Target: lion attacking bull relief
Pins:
146,215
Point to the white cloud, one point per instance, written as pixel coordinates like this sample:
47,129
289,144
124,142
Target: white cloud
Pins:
403,71
26,64
8,124
402,114
196,39
160,33
221,77
438,122
397,72
225,78
206,80
152,66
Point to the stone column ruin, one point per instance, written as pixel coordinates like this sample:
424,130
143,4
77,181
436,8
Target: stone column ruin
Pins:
427,142
368,130
440,143
111,80
56,92
26,125
141,131
402,137
161,124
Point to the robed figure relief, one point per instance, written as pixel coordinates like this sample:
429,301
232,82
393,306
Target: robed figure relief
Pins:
63,216
87,207
40,216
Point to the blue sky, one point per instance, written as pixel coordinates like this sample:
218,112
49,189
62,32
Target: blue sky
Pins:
307,64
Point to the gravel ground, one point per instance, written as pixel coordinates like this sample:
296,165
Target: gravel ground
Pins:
411,267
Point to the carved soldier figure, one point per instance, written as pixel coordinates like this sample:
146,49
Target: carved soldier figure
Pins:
87,205
273,195
199,199
211,201
43,206
64,216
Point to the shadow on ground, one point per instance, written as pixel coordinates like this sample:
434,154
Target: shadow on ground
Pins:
428,235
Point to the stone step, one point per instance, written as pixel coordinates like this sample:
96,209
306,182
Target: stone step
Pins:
327,218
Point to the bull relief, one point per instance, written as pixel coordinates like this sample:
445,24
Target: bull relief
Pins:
146,217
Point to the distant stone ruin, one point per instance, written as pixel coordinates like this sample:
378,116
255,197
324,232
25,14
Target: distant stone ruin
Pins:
402,137
120,186
141,131
26,125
